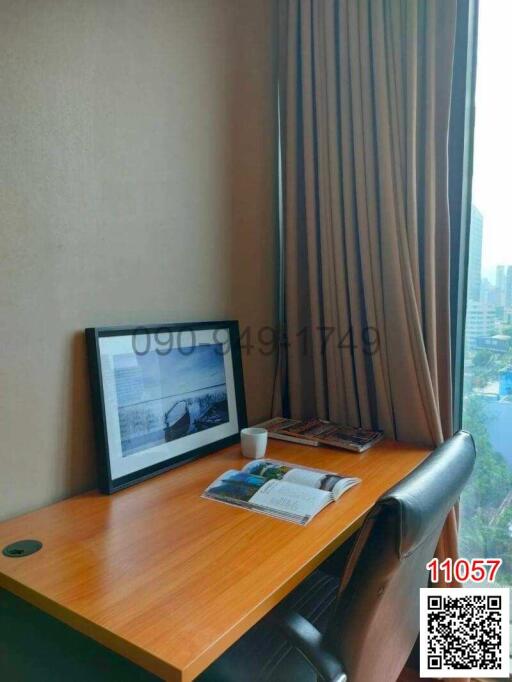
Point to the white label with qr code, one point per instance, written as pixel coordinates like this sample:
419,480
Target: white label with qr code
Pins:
464,632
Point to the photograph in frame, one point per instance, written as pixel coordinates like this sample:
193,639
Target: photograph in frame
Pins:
163,395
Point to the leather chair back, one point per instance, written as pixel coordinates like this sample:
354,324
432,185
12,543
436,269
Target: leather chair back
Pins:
376,619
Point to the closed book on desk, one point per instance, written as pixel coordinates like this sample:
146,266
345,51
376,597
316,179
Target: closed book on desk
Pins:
316,431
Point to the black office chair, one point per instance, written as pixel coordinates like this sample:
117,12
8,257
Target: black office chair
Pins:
362,628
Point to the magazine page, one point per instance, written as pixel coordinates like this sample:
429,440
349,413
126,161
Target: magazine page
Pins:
289,427
278,423
347,436
328,433
279,498
277,428
290,498
302,429
305,476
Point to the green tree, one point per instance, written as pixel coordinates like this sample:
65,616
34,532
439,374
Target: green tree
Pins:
486,504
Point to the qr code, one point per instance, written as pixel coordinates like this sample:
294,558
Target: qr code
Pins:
464,632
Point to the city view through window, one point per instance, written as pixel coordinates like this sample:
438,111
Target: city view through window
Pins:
486,505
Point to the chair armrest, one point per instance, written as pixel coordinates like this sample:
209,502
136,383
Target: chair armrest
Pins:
309,641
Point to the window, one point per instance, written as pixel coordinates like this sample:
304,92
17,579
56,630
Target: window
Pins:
486,505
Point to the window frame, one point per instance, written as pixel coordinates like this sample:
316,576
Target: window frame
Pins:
462,125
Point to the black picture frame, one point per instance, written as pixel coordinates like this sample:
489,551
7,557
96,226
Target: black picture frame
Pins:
109,479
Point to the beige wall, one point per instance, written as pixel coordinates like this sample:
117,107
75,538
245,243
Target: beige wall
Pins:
136,186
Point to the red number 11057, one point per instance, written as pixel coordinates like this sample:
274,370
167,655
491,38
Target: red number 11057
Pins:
463,570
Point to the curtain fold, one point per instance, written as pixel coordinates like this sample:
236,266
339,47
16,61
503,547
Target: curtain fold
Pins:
366,213
365,102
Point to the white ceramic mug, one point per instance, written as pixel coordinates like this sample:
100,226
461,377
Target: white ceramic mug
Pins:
254,442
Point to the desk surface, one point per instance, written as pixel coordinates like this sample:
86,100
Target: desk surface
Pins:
171,580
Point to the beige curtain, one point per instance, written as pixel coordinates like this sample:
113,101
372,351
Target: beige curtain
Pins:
366,219
365,91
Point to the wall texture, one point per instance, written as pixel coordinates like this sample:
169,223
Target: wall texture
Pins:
136,186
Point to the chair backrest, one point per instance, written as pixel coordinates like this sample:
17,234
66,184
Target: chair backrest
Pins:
376,620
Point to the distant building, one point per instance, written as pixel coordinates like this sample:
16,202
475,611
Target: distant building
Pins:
486,291
508,288
499,312
480,321
475,254
505,382
499,343
497,415
500,285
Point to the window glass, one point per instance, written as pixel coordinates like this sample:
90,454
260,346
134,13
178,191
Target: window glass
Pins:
486,505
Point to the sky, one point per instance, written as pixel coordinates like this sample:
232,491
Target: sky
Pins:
492,169
152,376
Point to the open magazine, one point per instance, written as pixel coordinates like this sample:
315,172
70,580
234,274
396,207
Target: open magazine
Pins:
286,491
316,431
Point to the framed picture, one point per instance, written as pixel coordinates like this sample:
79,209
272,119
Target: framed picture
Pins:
163,395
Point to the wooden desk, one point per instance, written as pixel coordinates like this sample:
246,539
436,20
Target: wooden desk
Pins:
171,580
